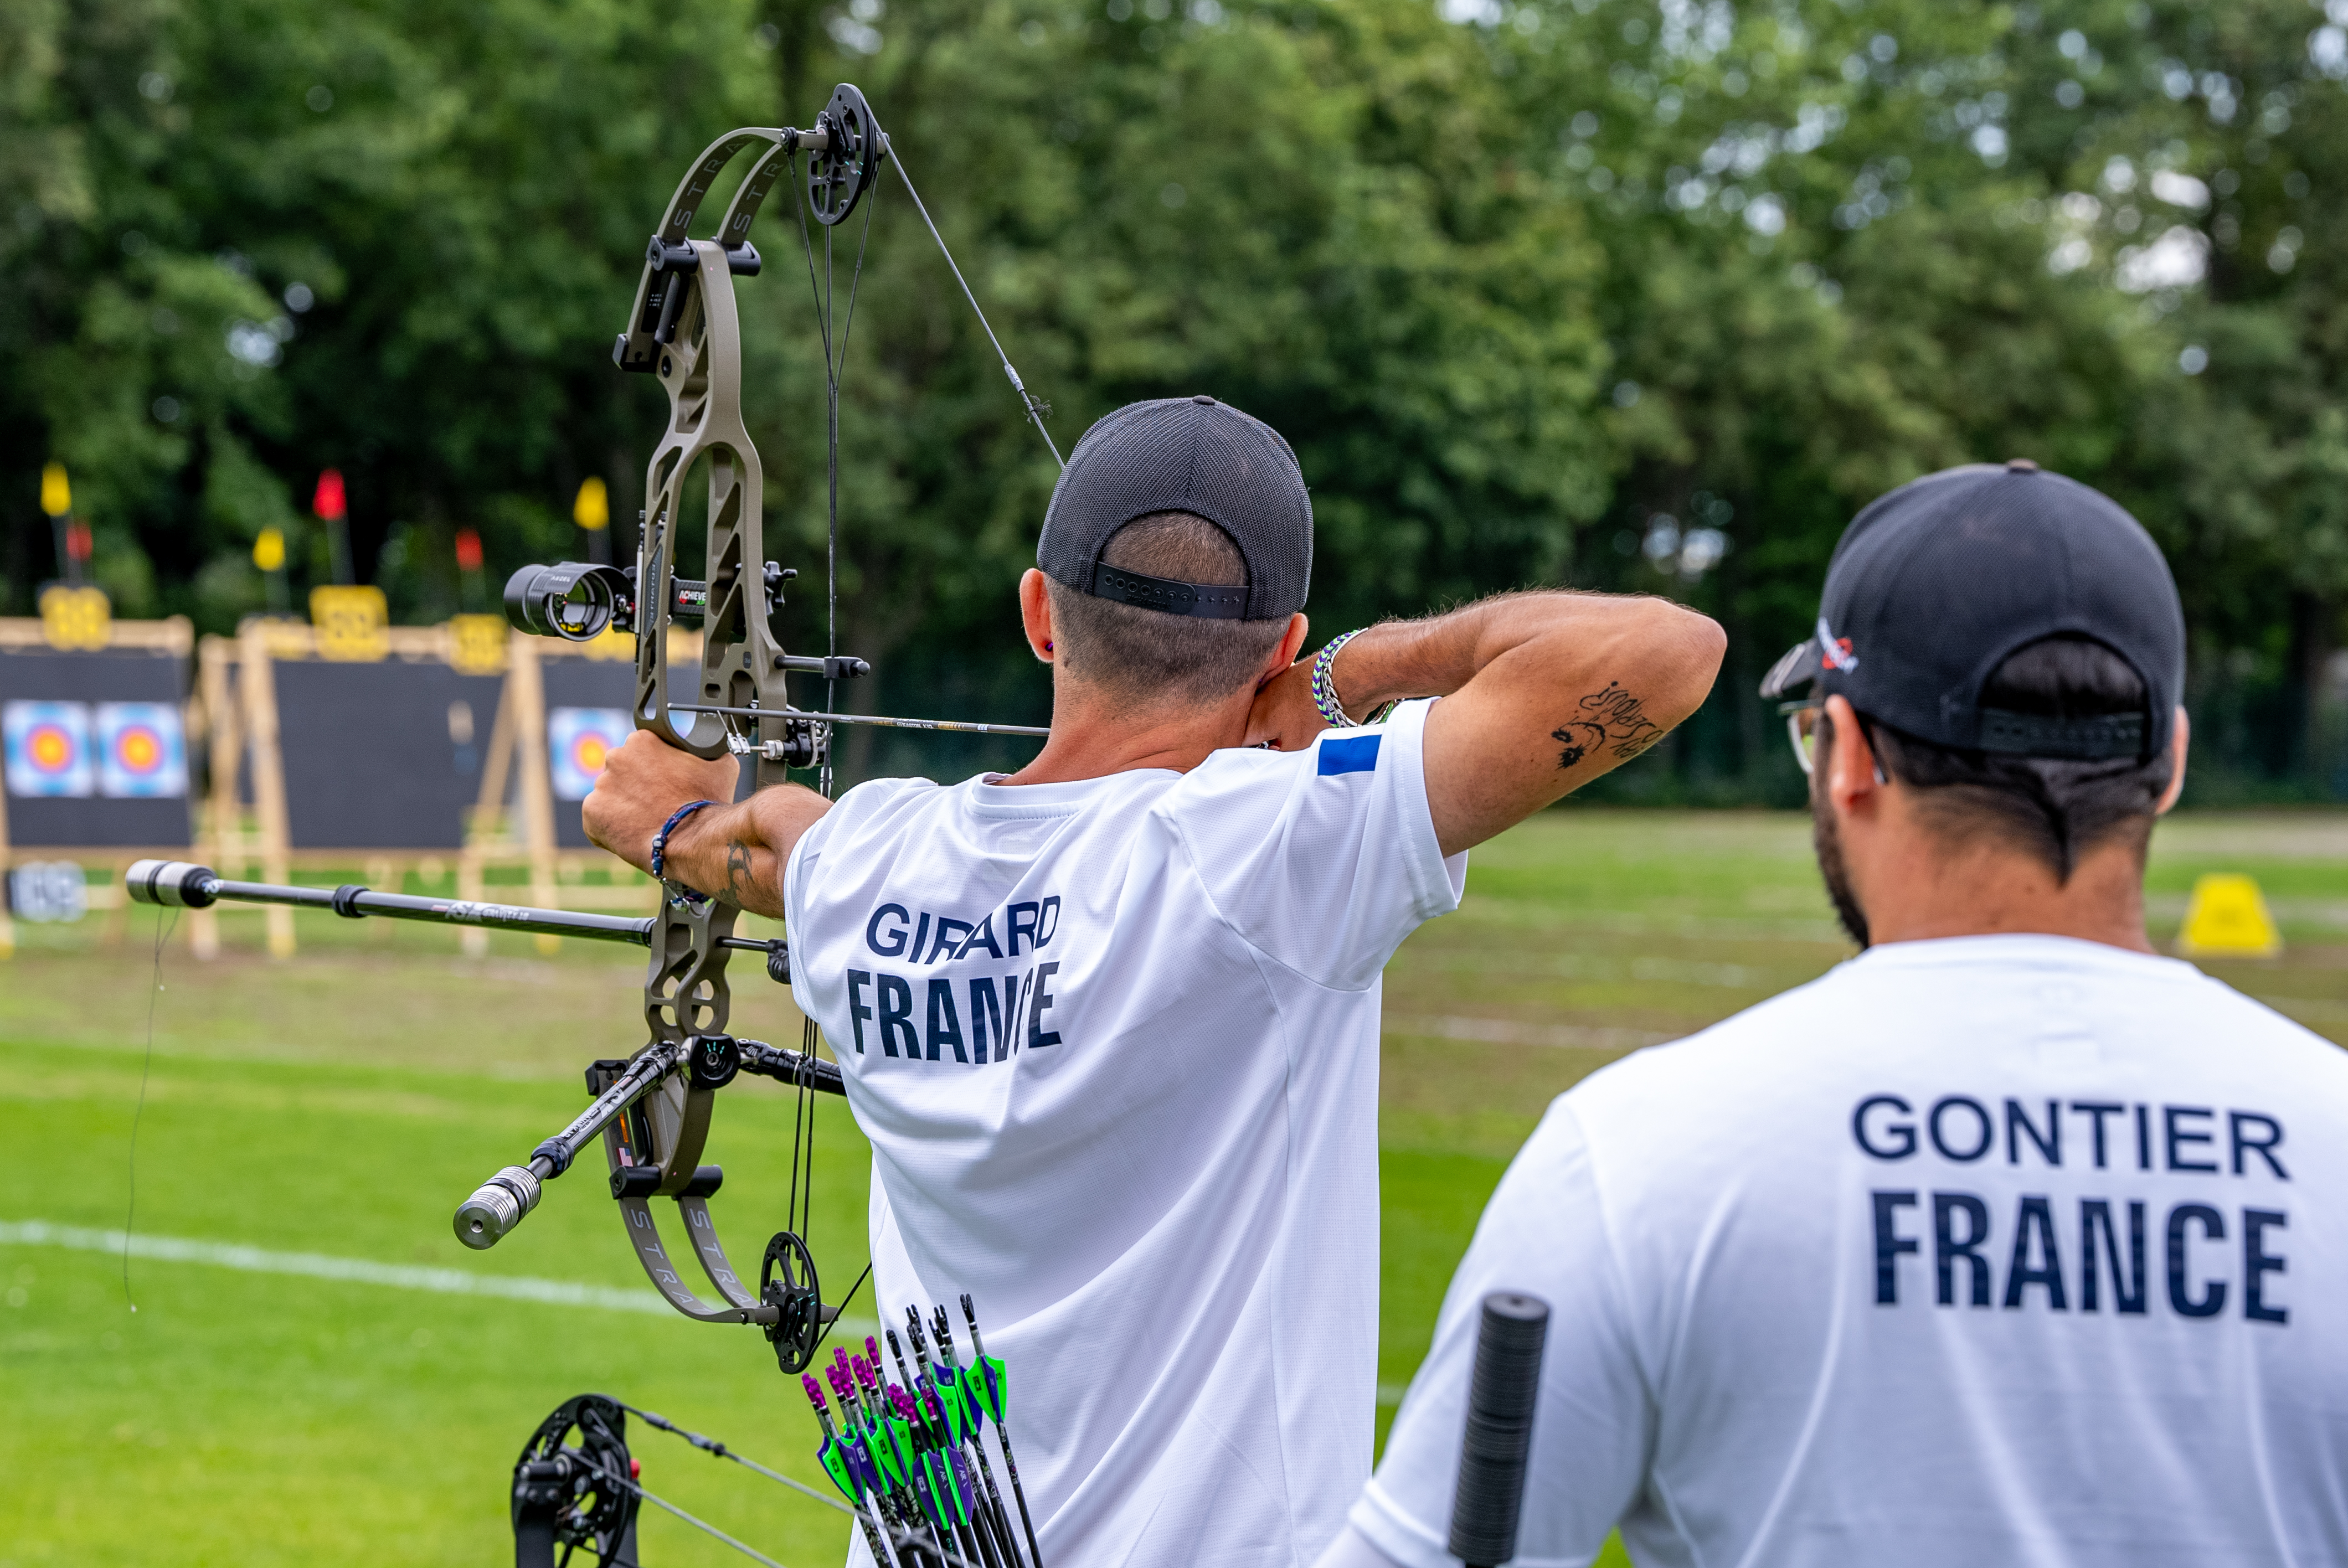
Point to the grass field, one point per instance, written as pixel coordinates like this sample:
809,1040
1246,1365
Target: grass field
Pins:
338,1105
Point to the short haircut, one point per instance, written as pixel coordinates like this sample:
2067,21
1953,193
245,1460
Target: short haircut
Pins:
1146,656
2054,810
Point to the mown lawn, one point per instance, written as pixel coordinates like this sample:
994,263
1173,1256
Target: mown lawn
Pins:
341,1103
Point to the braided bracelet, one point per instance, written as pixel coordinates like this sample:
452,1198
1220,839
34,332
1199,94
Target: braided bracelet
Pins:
1324,687
660,839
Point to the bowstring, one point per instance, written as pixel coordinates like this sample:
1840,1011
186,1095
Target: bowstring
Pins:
130,1206
799,1212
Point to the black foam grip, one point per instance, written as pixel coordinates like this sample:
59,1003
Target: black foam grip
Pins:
1502,1392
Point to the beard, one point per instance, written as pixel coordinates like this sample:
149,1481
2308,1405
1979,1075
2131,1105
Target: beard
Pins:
1827,844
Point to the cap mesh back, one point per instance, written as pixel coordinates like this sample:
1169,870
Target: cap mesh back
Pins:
1186,454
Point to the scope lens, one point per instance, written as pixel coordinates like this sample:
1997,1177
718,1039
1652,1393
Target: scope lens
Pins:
572,600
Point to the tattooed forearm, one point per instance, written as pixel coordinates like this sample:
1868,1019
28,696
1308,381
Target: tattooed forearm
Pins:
1611,718
739,879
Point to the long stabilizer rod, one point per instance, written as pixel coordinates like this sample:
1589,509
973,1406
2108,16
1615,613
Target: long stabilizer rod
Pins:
179,884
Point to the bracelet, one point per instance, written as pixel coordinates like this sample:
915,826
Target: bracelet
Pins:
1324,687
660,839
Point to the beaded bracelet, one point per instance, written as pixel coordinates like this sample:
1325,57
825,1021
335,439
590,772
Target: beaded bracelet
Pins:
1324,687
660,839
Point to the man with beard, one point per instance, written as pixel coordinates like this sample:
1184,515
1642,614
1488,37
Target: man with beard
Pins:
2008,1241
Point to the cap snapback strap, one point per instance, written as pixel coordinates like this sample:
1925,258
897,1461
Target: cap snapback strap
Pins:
1205,601
2070,740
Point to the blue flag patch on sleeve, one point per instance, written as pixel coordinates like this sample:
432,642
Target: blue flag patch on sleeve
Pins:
1353,755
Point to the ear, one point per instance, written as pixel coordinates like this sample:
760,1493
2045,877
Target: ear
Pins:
2177,742
1035,613
1852,778
1291,644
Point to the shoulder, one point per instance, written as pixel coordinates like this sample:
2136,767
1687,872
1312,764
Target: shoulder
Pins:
881,803
1354,761
1704,1090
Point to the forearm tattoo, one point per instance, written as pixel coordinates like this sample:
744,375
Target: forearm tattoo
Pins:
1609,719
738,877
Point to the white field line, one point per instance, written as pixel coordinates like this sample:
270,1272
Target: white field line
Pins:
351,1270
1513,1031
318,1266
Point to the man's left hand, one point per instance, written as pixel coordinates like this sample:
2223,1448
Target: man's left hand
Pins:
642,783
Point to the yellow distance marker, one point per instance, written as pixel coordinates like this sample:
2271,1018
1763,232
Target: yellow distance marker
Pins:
2228,919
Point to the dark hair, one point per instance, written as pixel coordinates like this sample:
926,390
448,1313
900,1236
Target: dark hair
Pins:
1146,655
2055,809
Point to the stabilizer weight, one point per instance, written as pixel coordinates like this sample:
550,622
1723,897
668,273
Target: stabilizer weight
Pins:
496,1206
173,884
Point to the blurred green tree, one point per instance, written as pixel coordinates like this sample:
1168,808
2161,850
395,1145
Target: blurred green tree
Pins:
1630,293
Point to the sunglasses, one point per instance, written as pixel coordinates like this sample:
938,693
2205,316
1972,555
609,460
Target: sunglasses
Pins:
1802,730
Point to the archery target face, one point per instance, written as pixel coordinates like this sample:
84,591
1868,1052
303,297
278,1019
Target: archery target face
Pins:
578,743
142,753
48,748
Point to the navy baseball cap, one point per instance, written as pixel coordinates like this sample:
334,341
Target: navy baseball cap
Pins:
1935,585
1184,455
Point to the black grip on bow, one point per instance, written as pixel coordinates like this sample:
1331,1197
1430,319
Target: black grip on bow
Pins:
1502,1393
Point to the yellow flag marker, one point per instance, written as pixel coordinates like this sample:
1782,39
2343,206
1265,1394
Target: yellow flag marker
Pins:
269,549
593,510
56,496
2228,919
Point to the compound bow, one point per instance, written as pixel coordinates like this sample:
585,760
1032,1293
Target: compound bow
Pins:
653,1110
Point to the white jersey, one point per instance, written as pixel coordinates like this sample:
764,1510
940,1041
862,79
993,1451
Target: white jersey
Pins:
1995,1249
1115,1045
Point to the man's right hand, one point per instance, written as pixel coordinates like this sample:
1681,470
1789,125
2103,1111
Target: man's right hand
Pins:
640,784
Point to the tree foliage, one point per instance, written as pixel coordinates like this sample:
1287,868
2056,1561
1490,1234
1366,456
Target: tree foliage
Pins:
1641,294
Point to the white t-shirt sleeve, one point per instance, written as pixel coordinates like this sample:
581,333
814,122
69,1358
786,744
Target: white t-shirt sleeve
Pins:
1323,859
1544,1234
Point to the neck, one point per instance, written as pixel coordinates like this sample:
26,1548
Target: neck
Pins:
1987,890
1095,735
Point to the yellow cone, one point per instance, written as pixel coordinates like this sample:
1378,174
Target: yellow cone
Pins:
2228,919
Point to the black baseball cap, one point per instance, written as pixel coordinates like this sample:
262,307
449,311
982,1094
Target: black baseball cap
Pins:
1933,585
1184,455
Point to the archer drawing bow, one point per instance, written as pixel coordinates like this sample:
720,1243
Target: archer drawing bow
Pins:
653,1110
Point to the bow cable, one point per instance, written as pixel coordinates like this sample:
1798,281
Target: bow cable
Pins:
717,1447
1036,407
